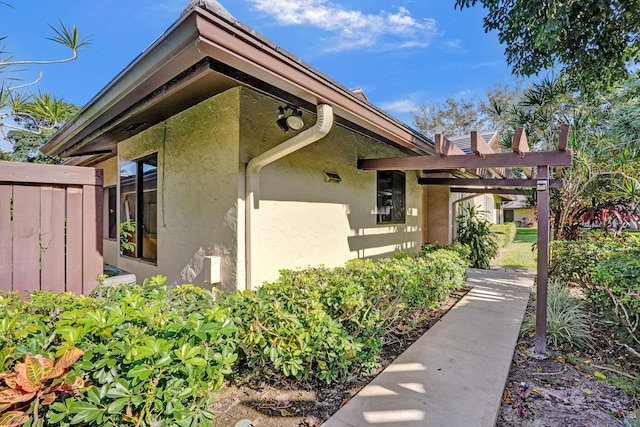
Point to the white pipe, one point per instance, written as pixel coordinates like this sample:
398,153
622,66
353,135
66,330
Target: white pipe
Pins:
252,201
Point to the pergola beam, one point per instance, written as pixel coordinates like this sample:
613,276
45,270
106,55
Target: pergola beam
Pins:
513,191
488,182
497,160
445,148
481,148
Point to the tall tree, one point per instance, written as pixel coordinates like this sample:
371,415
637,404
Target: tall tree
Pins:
40,109
453,117
594,42
601,163
459,116
38,126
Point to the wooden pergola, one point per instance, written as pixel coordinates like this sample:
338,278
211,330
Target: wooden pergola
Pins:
489,168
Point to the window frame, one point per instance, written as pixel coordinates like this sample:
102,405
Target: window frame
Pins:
141,215
111,212
384,202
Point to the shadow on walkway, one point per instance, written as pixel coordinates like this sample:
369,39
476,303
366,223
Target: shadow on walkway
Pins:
454,374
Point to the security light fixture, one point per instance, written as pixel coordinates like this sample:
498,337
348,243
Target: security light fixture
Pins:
332,177
292,121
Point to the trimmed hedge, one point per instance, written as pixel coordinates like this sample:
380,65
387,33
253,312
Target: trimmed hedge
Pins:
154,354
504,234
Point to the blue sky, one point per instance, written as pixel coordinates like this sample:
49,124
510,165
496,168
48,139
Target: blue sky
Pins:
402,53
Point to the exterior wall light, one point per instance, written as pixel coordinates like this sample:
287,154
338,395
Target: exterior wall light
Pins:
292,121
332,177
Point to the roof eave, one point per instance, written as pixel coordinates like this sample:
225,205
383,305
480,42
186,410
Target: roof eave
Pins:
200,34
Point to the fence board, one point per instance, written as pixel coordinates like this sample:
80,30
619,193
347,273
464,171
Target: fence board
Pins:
74,240
31,173
6,237
92,265
26,238
52,231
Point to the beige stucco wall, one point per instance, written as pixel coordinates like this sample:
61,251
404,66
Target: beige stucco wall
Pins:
526,216
303,220
197,190
438,203
486,203
110,247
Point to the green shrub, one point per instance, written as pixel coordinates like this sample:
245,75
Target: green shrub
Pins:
504,233
154,354
609,272
567,321
474,232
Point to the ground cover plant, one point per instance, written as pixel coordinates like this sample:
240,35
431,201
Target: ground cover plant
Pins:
152,354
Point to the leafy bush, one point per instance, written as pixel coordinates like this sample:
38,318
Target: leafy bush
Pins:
609,272
504,233
474,232
567,321
153,355
363,298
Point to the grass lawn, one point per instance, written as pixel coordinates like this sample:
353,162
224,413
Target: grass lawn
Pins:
519,253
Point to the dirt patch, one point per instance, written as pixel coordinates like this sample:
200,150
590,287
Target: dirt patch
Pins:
277,402
569,389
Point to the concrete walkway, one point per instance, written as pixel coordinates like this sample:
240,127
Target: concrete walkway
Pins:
454,374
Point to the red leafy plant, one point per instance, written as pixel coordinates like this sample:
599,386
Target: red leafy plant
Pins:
34,382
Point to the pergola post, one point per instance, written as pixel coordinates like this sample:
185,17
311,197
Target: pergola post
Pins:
542,190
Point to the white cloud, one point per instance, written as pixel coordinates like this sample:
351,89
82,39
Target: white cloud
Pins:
352,28
486,64
453,44
400,106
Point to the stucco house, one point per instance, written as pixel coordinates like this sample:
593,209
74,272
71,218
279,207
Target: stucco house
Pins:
235,159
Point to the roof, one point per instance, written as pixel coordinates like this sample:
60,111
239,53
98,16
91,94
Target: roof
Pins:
464,142
205,52
520,202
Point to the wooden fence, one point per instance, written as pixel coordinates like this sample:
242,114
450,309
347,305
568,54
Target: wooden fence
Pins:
50,227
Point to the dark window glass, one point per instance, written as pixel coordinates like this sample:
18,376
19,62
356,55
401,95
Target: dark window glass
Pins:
391,203
139,206
111,213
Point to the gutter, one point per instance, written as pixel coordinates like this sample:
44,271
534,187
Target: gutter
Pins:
321,128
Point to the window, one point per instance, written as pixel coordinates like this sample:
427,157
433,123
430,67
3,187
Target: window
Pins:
138,206
391,197
110,204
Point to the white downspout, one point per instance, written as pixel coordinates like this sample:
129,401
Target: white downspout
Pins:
252,201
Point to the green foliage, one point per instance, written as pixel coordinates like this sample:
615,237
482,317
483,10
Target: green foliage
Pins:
595,52
567,321
474,232
154,354
609,273
127,228
330,322
504,233
36,381
40,117
42,110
